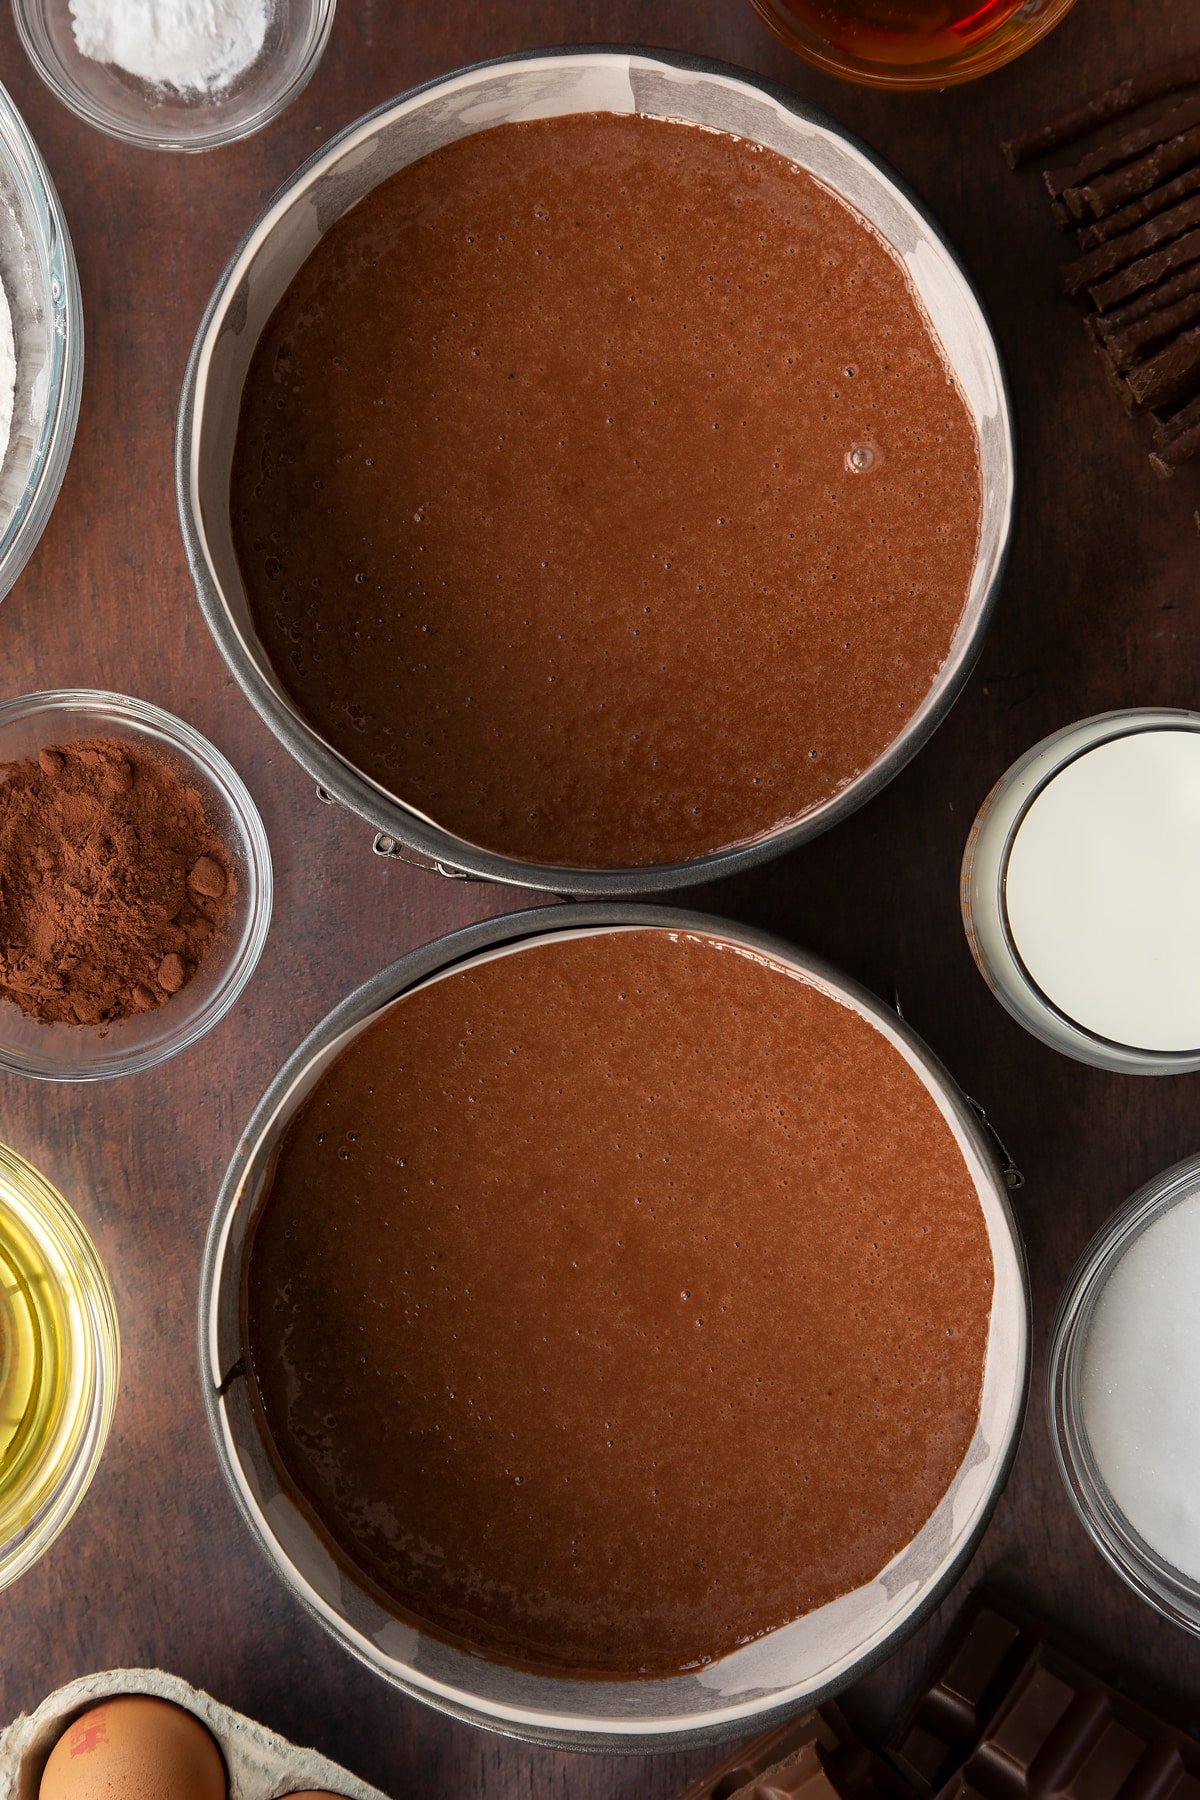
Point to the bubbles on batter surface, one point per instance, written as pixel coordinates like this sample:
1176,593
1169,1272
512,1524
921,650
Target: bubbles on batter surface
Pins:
862,458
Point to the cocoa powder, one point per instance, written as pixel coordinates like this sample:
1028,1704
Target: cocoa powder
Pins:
114,885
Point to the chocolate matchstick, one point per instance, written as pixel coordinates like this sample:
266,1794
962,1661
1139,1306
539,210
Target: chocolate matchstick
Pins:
1168,377
1147,206
1126,345
1117,254
1146,271
1165,125
1114,103
1107,192
1176,439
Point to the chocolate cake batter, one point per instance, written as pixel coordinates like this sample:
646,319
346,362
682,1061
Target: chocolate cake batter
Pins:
617,1301
602,492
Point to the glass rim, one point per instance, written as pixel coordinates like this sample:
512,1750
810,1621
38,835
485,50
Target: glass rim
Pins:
28,15
60,1225
1001,962
1166,1588
217,773
899,78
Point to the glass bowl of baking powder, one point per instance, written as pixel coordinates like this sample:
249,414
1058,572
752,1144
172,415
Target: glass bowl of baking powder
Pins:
175,74
41,344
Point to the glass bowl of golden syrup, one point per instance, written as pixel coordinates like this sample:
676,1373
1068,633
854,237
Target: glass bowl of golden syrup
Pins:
59,1363
911,43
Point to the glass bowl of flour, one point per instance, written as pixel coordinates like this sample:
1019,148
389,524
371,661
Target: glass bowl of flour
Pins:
41,344
175,74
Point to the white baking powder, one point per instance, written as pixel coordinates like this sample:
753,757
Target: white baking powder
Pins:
1103,890
1141,1381
193,46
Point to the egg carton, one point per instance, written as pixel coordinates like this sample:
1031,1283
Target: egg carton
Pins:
260,1764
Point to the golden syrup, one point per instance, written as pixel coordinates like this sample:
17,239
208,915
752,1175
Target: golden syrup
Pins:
904,31
59,1362
875,39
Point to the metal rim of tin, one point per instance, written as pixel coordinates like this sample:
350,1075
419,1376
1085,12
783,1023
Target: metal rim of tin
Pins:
397,827
442,955
1156,1581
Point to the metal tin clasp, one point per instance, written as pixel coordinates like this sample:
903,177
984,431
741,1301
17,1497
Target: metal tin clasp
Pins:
386,845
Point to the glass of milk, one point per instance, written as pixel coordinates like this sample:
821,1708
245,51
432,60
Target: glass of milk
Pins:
1081,891
1124,1392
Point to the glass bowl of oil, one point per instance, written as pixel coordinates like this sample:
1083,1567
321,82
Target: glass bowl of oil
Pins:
59,1363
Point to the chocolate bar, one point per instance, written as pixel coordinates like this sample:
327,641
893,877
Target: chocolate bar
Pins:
1008,1715
814,1756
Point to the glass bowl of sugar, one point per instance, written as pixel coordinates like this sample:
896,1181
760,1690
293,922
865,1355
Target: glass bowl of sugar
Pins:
1123,1373
175,74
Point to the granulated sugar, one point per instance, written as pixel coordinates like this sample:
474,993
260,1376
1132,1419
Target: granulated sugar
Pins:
193,46
1141,1377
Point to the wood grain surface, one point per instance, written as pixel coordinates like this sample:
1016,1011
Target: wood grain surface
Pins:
1099,610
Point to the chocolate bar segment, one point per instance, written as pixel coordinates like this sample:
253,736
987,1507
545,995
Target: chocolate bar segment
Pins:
815,1756
1011,1716
983,1657
789,1750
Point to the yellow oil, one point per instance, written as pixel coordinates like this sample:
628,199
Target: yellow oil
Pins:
34,1344
59,1360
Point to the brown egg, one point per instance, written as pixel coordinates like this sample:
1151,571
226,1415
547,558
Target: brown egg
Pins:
135,1748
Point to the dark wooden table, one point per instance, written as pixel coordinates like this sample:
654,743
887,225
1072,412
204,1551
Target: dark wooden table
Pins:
1099,610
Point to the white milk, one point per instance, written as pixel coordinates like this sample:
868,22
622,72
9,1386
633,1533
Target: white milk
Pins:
1103,890
1140,1385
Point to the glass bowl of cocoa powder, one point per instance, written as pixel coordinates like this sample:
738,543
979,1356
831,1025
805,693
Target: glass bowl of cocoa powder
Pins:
135,885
